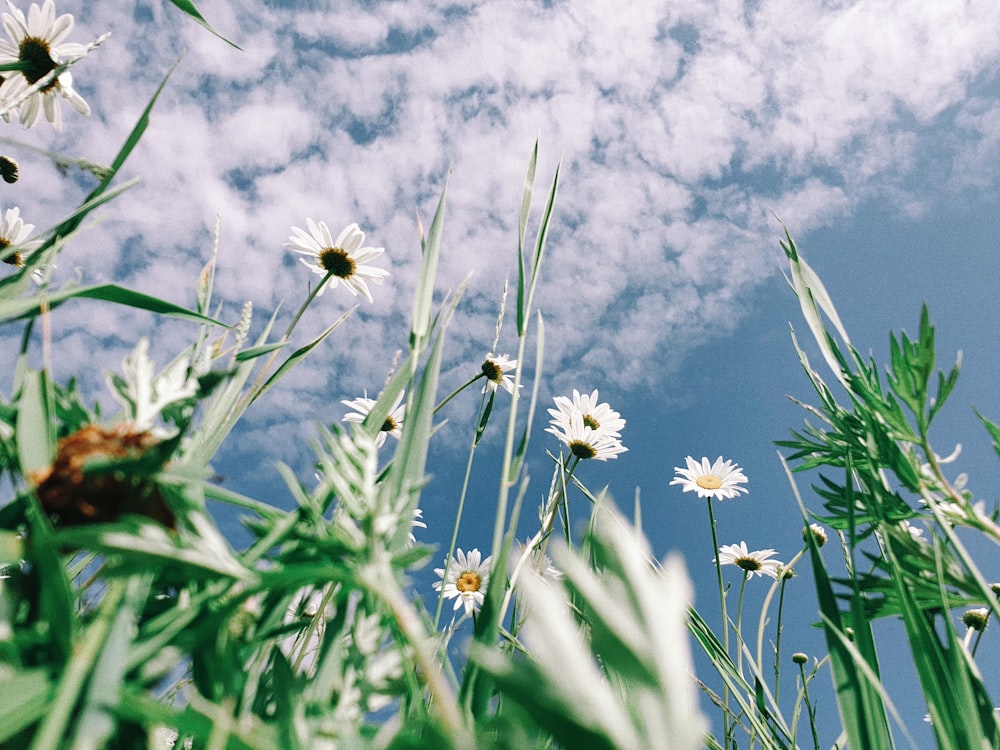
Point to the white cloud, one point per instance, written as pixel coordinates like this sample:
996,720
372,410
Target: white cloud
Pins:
680,125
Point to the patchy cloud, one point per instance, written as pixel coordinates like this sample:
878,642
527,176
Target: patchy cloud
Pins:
680,125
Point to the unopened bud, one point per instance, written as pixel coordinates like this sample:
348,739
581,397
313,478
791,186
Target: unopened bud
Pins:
817,532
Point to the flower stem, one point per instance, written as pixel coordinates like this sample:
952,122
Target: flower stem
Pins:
739,625
810,710
254,391
725,617
458,390
461,504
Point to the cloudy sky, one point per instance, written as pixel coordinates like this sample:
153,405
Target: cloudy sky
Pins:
683,128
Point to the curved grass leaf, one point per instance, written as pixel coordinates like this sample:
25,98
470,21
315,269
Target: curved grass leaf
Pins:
188,7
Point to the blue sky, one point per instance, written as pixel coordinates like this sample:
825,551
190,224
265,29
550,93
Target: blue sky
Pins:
871,129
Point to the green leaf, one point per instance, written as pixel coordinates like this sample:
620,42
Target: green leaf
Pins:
861,709
31,307
188,7
36,436
258,351
27,695
522,283
298,355
423,296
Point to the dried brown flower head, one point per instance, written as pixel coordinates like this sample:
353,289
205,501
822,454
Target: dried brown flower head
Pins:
95,479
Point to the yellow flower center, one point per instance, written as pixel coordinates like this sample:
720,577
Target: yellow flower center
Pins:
748,564
336,261
389,424
589,421
468,581
36,53
582,450
708,482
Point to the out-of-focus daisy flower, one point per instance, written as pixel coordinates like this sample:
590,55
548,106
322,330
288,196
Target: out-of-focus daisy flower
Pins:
585,442
393,424
340,259
495,368
465,580
36,43
721,479
599,417
753,563
15,247
538,561
417,522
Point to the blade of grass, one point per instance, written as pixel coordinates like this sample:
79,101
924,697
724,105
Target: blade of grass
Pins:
423,296
188,7
861,708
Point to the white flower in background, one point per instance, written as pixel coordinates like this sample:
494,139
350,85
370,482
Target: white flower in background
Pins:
465,580
36,42
537,561
599,417
417,522
967,513
585,442
393,424
340,259
753,563
15,247
915,532
143,394
495,368
721,479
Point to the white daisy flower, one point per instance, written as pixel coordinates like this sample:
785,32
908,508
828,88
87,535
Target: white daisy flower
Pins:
341,259
583,441
15,247
465,580
721,479
393,424
36,42
495,368
599,417
752,563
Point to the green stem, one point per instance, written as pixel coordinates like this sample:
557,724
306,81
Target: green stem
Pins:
458,390
739,625
810,711
777,641
767,604
312,629
461,503
252,393
725,617
563,499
